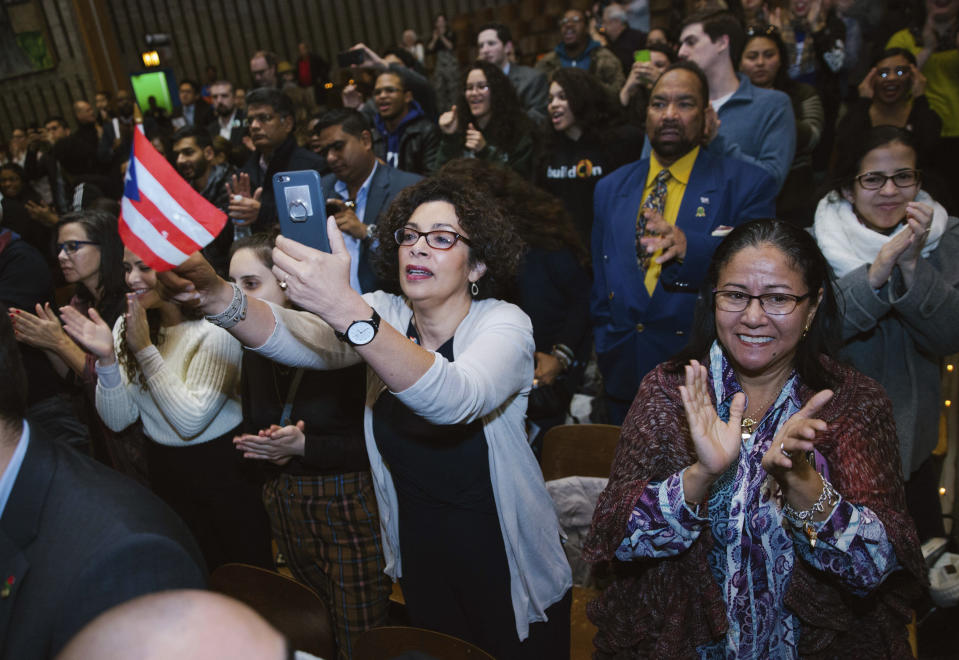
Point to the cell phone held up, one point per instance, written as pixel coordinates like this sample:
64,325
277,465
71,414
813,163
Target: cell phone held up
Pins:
301,208
348,58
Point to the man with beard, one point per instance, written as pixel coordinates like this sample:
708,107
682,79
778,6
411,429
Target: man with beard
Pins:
193,151
657,223
404,137
230,121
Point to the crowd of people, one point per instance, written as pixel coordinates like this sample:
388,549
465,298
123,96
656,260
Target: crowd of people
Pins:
733,229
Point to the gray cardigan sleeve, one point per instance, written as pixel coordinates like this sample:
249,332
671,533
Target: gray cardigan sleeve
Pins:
862,306
929,309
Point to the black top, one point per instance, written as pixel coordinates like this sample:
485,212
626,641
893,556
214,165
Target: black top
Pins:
331,403
571,169
436,467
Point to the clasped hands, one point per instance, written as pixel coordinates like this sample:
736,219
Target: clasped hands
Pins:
277,444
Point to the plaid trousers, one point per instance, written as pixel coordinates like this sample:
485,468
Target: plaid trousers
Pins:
328,529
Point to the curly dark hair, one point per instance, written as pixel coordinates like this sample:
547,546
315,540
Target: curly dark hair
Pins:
493,237
802,253
507,123
539,218
101,228
593,107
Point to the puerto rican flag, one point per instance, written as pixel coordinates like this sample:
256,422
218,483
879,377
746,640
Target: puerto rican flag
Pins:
163,220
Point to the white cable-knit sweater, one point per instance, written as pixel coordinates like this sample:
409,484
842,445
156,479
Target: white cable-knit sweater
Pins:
191,394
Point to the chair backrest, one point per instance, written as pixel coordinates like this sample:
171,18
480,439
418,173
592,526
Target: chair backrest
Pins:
584,450
389,642
291,607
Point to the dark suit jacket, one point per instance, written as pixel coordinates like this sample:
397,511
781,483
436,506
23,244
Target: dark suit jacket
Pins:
77,538
202,114
634,332
288,157
386,184
237,131
532,89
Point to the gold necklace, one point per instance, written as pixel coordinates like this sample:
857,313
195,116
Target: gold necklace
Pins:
749,424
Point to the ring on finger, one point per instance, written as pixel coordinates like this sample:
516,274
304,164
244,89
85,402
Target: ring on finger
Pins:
782,448
283,284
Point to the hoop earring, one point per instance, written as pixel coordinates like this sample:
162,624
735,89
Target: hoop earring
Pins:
474,289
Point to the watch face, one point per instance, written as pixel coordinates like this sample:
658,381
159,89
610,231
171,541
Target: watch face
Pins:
361,332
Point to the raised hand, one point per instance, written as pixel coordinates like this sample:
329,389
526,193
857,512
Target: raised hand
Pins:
41,331
660,235
918,81
919,219
194,282
867,88
782,460
881,268
92,333
317,281
717,443
447,121
137,326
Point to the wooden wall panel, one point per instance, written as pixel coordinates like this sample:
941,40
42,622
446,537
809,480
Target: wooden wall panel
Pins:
219,32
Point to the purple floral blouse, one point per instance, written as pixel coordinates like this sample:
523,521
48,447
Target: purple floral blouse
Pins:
754,548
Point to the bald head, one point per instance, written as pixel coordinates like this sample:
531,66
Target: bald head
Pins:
181,624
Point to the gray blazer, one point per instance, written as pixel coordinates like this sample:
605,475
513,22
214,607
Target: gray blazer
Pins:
898,337
532,89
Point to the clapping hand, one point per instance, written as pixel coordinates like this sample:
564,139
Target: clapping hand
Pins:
796,435
717,443
244,206
447,121
137,326
41,331
92,333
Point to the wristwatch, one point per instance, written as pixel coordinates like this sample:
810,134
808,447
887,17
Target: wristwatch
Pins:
360,333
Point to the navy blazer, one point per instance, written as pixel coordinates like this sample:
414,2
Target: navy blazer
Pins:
77,538
386,184
633,330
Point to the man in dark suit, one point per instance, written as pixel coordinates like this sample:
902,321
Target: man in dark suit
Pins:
495,44
657,223
230,121
270,120
76,538
359,189
193,110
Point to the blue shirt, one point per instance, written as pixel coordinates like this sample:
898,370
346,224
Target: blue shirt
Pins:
353,244
9,476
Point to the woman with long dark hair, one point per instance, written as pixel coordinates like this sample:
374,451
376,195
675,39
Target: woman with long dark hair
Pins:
589,139
488,122
164,365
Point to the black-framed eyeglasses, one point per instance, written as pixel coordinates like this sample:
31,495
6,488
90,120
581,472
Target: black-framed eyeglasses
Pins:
72,247
263,118
439,239
899,71
761,30
876,180
778,304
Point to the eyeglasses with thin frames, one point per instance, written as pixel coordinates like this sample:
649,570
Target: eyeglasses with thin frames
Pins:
72,247
876,180
439,239
777,304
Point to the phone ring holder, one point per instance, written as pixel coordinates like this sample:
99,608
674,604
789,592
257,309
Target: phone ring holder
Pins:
298,209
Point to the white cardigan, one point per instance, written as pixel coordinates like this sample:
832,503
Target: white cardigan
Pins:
192,392
490,379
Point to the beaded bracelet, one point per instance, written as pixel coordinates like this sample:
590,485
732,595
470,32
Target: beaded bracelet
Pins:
234,313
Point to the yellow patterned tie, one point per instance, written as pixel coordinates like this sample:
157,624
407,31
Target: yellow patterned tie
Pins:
657,202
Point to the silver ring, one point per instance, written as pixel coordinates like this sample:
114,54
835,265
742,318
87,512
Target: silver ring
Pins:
782,448
283,285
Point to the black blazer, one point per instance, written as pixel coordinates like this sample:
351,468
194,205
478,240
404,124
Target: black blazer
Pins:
77,538
386,184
